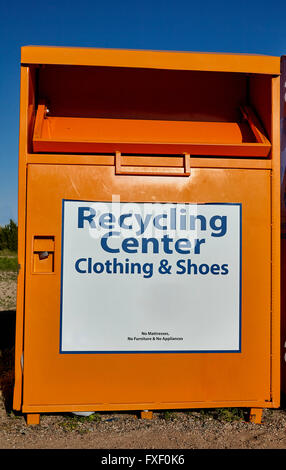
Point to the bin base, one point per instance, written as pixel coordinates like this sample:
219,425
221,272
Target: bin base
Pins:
255,415
33,419
146,414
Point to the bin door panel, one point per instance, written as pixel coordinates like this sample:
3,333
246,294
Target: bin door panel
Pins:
64,379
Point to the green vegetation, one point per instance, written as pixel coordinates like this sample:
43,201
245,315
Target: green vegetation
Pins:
168,415
9,263
219,414
224,414
77,423
9,237
8,247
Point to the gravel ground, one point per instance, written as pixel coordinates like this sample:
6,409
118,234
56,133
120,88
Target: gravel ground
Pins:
183,430
8,287
200,429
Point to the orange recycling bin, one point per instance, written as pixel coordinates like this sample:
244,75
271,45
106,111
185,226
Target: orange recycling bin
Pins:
149,231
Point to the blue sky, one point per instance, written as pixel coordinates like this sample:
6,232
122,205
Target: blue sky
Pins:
256,27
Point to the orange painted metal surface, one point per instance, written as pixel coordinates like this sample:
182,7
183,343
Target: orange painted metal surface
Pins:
45,379
217,377
256,415
241,63
283,225
63,134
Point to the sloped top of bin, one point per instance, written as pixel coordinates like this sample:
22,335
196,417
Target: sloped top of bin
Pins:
215,62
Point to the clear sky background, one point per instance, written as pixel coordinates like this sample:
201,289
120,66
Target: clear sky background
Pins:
245,26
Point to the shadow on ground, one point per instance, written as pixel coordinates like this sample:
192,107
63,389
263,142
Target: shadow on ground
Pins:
7,348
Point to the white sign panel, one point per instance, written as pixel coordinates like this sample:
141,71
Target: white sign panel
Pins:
150,277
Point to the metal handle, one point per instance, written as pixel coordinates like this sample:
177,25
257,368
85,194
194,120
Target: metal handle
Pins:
151,170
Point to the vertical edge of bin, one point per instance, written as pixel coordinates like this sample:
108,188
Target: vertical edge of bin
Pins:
24,97
283,224
275,222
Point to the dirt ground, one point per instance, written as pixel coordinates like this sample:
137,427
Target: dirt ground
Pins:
193,429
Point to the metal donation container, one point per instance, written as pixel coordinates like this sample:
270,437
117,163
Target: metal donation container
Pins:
149,231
